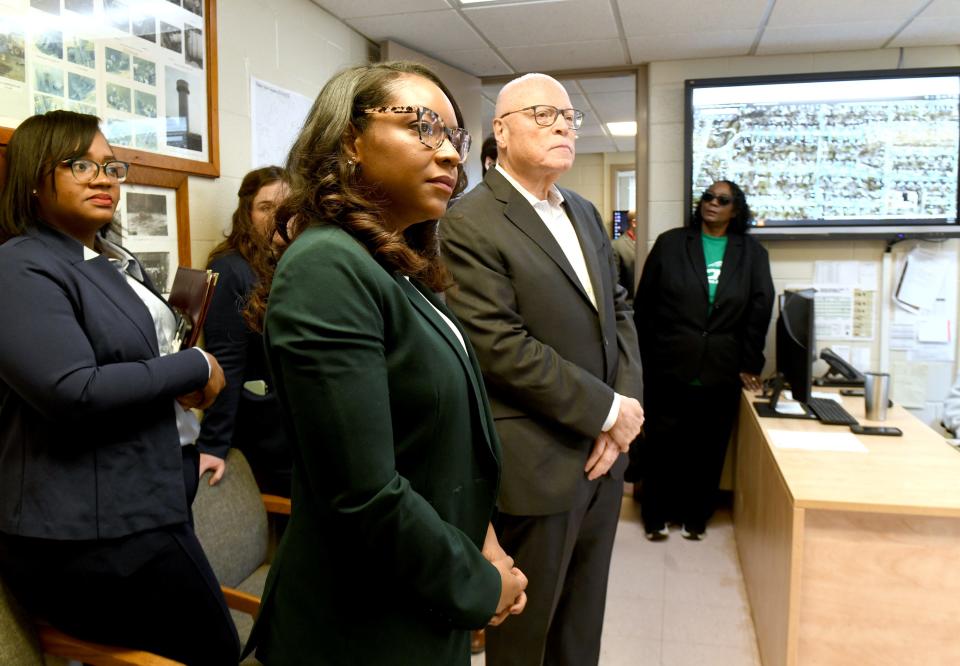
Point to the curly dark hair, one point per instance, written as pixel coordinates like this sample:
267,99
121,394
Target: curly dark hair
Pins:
244,238
325,188
742,215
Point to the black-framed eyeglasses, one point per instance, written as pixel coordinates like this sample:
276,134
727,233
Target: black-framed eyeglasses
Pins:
86,171
721,199
430,128
547,115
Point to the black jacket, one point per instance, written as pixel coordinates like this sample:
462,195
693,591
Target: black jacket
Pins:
88,437
681,337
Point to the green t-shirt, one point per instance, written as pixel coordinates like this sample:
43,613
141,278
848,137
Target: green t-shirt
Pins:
713,249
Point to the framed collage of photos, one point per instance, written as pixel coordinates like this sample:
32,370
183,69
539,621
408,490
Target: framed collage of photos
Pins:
147,68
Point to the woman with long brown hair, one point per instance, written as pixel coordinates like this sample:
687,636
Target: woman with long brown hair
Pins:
389,557
246,415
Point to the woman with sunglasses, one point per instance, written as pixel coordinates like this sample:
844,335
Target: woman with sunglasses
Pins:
97,466
702,311
389,557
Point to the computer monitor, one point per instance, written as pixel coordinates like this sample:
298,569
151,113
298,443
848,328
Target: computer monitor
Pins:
796,350
621,222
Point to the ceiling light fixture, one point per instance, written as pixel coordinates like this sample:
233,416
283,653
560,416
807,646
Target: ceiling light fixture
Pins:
623,129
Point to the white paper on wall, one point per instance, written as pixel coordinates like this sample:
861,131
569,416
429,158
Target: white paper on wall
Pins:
276,117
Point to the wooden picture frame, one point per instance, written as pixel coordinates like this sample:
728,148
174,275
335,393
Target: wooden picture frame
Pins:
100,73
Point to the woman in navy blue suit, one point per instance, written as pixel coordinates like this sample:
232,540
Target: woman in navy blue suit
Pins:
97,470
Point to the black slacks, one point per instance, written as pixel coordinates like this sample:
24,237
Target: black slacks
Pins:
153,590
566,558
687,429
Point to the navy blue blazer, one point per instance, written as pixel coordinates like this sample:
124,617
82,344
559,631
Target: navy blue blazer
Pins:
88,438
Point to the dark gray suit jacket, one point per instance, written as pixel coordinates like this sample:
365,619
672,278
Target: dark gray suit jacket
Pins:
551,361
88,436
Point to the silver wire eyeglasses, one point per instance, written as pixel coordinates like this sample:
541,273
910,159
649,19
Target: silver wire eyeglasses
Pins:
431,129
547,115
86,171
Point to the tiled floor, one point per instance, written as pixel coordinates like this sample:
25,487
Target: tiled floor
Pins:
677,602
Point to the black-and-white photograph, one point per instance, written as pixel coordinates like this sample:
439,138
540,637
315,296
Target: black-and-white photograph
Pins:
144,71
171,37
49,6
157,265
79,6
50,43
12,59
82,52
48,80
116,62
195,6
118,132
146,214
193,46
146,140
117,13
44,103
144,104
82,108
82,88
118,97
183,108
145,27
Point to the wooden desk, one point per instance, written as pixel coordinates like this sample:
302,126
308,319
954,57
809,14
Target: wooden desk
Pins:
850,559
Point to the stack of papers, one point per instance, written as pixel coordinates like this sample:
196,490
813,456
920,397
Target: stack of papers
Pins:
816,441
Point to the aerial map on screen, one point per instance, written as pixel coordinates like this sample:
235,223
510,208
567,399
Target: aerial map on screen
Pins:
833,152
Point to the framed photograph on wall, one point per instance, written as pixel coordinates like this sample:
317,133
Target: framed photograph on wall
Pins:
154,221
146,68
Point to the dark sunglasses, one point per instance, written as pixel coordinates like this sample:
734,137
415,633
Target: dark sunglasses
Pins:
723,199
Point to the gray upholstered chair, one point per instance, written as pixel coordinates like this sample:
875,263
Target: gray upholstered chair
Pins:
231,522
26,643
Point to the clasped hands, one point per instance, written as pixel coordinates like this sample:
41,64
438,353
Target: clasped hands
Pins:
203,398
513,599
608,445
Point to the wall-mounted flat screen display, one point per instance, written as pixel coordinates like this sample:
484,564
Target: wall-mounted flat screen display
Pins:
849,154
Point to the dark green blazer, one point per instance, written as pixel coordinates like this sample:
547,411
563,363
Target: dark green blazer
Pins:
396,468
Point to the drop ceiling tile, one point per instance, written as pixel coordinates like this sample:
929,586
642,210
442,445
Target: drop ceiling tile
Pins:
544,23
595,144
795,13
430,32
942,9
688,16
826,37
345,9
568,55
479,62
610,84
929,32
684,46
615,106
625,144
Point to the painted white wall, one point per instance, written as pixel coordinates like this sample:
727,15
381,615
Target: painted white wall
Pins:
792,261
291,43
590,177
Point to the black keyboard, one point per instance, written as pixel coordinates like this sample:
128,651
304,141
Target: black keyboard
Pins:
830,411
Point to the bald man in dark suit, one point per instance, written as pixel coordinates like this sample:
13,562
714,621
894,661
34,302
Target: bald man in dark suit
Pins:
537,293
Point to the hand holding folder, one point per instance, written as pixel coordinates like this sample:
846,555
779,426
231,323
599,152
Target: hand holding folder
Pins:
190,298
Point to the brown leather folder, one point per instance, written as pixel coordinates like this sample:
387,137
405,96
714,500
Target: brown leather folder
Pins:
190,298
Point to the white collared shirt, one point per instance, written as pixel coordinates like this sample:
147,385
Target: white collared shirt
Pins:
164,324
554,217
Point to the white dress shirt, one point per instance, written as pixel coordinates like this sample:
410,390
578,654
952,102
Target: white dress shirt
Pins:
164,324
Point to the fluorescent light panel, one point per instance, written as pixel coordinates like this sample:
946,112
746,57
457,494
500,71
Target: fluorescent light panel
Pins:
623,129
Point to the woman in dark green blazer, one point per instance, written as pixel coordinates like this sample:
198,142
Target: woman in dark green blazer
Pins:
389,557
